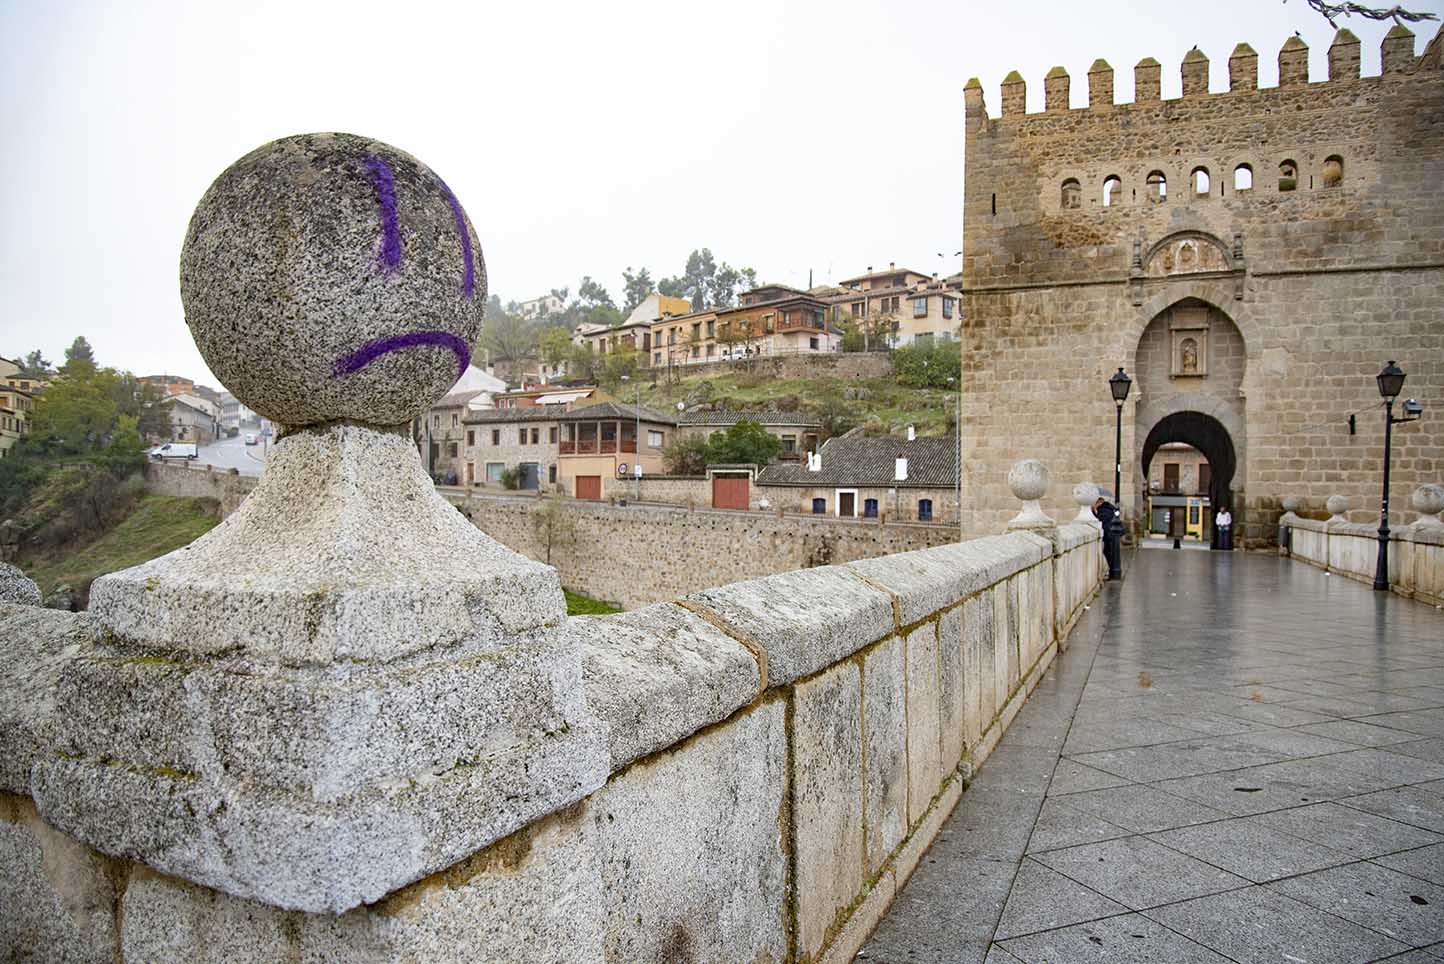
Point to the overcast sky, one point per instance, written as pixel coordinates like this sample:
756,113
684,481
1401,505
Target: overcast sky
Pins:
581,137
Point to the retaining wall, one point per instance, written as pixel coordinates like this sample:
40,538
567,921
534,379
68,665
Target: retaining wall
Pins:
1416,553
634,555
782,751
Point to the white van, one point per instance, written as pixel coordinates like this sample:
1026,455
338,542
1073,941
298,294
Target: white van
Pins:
174,450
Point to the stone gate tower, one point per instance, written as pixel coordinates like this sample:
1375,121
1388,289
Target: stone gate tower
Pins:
1252,258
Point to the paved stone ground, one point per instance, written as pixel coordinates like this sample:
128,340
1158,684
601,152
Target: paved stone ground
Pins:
1240,758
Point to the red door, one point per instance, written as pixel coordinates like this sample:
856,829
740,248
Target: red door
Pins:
729,492
589,487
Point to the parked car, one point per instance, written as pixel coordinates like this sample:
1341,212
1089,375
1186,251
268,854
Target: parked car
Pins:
250,438
174,450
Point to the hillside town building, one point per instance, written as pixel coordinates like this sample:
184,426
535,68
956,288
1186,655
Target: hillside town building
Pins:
860,477
607,441
1252,258
898,307
797,431
192,418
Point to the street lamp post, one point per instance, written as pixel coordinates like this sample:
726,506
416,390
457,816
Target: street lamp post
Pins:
1118,385
1391,382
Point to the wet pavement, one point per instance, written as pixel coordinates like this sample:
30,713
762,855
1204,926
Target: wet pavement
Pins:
1240,758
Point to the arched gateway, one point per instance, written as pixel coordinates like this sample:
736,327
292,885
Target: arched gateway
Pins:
1266,305
1189,370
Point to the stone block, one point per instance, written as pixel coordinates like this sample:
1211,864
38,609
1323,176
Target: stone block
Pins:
248,833
805,620
827,800
979,693
691,846
924,738
1003,653
325,561
57,902
928,580
657,675
16,587
35,647
885,736
953,695
533,897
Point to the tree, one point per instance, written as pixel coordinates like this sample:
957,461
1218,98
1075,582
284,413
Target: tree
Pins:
35,365
80,350
686,454
592,295
1332,11
745,443
739,339
704,281
615,364
554,345
928,366
553,525
635,288
509,337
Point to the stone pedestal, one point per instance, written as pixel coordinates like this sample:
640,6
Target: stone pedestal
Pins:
344,686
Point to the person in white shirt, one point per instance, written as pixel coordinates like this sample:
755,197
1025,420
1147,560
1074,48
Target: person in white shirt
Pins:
1224,522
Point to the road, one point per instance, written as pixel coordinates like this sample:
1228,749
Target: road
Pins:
234,453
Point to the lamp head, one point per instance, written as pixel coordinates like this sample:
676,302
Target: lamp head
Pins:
1391,381
1119,385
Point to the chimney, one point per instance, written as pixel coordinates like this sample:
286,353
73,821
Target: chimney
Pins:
892,265
900,471
814,461
912,433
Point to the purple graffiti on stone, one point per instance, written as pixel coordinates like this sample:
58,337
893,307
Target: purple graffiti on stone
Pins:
385,184
377,347
468,281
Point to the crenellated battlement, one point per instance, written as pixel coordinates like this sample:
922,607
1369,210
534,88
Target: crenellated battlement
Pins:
1396,56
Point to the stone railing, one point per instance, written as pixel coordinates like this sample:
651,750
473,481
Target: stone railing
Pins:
1416,552
769,760
345,724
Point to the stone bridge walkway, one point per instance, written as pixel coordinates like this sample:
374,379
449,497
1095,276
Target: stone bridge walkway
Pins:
1240,758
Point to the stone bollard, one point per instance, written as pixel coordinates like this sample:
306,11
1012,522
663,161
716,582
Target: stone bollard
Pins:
1291,504
1085,494
1428,501
344,686
1029,481
1338,507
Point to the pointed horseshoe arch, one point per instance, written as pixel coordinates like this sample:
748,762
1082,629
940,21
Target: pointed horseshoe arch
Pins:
1207,434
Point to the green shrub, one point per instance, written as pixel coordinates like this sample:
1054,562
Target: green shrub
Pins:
511,477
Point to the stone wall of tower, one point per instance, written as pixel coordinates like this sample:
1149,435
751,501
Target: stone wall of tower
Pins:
1324,282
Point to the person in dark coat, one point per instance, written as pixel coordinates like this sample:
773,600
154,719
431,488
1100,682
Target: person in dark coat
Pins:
1105,512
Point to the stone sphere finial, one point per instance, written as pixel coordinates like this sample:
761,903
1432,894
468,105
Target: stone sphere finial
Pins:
329,277
1085,494
1028,480
1337,506
1428,501
1291,503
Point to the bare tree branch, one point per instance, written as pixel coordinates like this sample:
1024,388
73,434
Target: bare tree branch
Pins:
1330,11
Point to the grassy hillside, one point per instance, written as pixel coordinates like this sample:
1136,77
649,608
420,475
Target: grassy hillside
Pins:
156,525
880,404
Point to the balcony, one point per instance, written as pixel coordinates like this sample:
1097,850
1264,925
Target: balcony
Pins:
591,446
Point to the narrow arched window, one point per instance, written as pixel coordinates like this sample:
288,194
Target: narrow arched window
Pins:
1288,176
1243,178
1112,190
1157,186
1072,193
1333,170
1200,180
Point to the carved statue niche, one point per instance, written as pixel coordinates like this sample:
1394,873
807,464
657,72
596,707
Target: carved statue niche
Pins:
1188,335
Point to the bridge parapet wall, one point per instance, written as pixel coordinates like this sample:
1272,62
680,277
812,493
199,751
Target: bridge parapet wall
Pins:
780,753
1416,552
